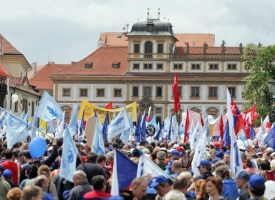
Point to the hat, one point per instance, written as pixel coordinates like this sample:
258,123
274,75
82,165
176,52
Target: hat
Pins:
273,154
163,149
7,174
242,148
160,179
181,154
204,163
219,154
256,180
216,160
259,153
180,149
269,149
175,146
175,152
218,145
244,175
227,152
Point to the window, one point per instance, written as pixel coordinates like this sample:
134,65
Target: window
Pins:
195,91
136,48
135,91
150,27
158,119
213,66
33,108
100,92
89,65
160,48
159,66
66,92
147,66
213,91
232,91
158,110
177,66
196,66
148,47
115,64
231,66
117,93
83,92
16,106
25,105
147,92
136,66
179,91
159,92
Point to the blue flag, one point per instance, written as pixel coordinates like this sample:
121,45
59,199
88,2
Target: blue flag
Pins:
35,123
98,142
138,129
48,108
73,122
105,125
143,128
252,133
270,138
226,135
157,137
170,129
125,136
50,128
15,128
69,156
81,126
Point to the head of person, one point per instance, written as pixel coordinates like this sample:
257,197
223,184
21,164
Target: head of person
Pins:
242,179
31,171
14,194
214,186
161,155
180,183
7,175
101,160
175,195
205,166
31,192
176,166
148,178
226,158
265,165
92,157
78,177
200,188
110,157
272,165
223,172
256,186
188,176
272,155
161,184
87,148
139,187
9,154
99,183
45,170
42,182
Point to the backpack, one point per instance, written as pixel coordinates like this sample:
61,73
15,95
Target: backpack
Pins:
61,185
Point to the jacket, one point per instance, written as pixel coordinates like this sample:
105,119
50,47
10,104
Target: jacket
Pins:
91,170
79,191
230,189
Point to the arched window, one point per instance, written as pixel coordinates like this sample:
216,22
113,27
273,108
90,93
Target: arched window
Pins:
148,47
135,91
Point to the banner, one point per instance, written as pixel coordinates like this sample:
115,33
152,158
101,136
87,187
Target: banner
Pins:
90,110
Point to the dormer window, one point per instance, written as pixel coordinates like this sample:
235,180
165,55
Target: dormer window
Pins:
89,65
115,64
150,27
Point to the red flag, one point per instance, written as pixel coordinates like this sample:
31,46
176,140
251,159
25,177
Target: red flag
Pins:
176,94
221,127
251,114
109,105
186,127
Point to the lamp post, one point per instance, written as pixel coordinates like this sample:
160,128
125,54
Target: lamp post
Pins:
271,86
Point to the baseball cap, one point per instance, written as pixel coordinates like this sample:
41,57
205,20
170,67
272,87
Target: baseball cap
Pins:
175,146
272,154
7,174
160,179
259,153
219,154
244,175
175,152
204,163
216,160
227,152
180,149
256,180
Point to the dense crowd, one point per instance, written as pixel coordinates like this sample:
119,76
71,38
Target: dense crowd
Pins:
23,177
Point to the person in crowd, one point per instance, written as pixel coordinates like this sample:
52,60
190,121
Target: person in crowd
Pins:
14,194
12,166
200,189
162,186
241,182
81,186
175,195
87,148
205,169
229,185
214,188
161,155
99,185
110,161
181,184
90,168
226,159
272,155
176,168
29,160
30,173
7,176
265,171
101,161
43,183
150,192
249,167
256,187
138,190
31,192
21,157
4,188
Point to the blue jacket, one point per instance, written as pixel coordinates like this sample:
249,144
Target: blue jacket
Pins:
230,189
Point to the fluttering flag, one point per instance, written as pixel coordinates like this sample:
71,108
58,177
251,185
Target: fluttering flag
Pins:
143,127
48,109
98,142
73,125
60,127
226,135
168,136
69,156
206,130
252,133
35,123
176,94
159,133
174,129
191,115
105,125
138,129
124,171
270,138
238,120
50,128
196,135
81,126
126,134
109,105
118,125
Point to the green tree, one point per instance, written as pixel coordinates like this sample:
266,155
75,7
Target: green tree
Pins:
258,62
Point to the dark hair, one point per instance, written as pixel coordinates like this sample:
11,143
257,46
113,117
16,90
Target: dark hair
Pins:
98,182
223,171
101,158
259,191
217,181
92,157
265,165
40,180
249,163
180,182
32,170
8,154
28,155
16,152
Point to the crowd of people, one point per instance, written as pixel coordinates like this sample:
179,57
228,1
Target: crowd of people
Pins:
25,178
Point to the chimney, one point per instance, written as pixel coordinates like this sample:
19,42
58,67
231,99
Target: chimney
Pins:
50,62
73,62
100,43
34,67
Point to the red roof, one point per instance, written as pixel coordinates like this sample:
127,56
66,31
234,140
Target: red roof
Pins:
41,78
17,81
7,47
100,63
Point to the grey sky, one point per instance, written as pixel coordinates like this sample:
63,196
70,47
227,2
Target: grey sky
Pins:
68,30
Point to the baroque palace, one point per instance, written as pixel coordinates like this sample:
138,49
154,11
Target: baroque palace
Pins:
140,65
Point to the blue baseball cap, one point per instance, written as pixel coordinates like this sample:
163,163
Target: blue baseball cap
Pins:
227,152
216,160
175,152
7,174
160,179
204,163
219,154
256,180
244,175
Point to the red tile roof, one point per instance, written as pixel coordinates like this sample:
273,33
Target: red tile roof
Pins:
101,60
7,47
31,73
41,78
198,38
17,81
114,39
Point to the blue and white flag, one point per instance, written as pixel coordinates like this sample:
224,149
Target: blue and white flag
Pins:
143,127
81,126
15,128
69,156
48,109
206,129
138,129
105,125
154,123
252,133
118,125
174,129
60,127
50,128
73,122
196,135
226,135
126,134
35,123
166,127
270,138
98,142
22,115
158,136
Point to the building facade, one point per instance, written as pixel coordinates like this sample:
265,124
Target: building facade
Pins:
142,69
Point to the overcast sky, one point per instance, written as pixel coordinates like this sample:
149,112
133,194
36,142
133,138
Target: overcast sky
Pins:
68,30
